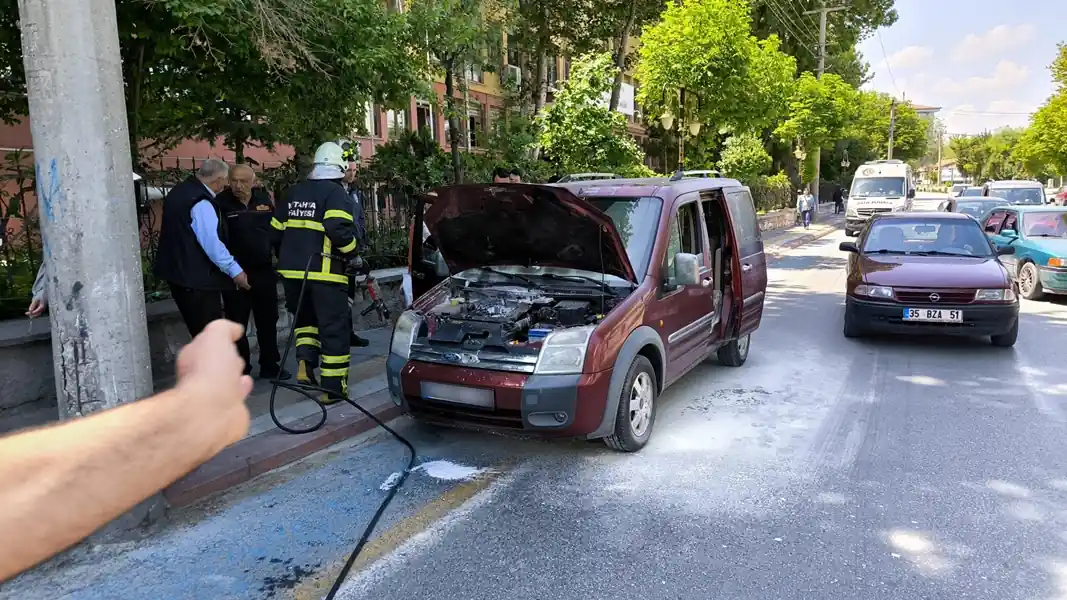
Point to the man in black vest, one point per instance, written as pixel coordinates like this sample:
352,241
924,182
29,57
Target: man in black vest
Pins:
192,258
351,154
247,211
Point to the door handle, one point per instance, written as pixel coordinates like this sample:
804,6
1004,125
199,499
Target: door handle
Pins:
746,268
706,281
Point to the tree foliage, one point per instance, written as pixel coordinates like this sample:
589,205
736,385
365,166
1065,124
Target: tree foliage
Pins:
579,131
744,158
991,156
820,111
732,80
1044,145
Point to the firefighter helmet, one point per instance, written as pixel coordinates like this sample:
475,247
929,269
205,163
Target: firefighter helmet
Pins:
331,154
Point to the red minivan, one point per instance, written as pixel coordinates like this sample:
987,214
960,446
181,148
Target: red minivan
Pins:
565,310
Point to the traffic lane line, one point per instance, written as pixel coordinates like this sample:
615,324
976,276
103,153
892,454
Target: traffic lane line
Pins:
452,504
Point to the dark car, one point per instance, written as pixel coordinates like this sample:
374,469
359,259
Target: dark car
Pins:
970,192
570,308
978,208
929,273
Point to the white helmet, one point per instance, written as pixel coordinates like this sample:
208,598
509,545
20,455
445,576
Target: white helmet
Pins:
331,154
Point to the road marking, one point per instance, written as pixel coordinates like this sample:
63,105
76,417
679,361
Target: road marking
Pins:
410,535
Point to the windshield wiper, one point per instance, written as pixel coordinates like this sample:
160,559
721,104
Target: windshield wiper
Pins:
602,284
885,251
1048,235
943,253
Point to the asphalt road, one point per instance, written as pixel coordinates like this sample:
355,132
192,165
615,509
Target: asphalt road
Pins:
823,468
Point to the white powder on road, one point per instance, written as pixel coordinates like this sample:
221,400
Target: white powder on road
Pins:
438,469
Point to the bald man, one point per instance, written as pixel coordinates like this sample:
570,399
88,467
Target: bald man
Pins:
247,211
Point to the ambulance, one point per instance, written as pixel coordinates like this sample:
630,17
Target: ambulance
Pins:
878,187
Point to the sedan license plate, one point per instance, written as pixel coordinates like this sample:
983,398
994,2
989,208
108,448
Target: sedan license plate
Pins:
458,394
933,315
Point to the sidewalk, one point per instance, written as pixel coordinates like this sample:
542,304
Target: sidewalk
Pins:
266,447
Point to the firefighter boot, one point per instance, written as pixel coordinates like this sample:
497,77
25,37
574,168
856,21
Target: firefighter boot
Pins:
305,373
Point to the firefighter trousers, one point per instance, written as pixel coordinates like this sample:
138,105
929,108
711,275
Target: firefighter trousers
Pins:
323,328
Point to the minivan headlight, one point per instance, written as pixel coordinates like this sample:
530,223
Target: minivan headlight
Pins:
407,327
873,291
997,295
563,352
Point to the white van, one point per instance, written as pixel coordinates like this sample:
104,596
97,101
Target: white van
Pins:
879,186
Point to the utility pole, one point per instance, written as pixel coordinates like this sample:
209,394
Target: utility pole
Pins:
940,142
86,204
892,125
822,68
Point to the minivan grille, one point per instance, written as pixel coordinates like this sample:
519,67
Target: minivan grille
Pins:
866,212
922,297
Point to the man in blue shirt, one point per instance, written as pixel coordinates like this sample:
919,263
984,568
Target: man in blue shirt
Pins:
192,258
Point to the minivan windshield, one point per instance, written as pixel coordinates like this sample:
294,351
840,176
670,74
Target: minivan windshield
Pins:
958,237
637,220
877,187
1020,195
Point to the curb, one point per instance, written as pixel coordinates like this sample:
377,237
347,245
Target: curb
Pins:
804,239
264,452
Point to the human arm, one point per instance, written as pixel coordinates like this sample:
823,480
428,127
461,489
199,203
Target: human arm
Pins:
277,223
206,228
39,302
58,484
339,223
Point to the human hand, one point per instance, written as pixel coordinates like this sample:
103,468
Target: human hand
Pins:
36,307
242,281
211,378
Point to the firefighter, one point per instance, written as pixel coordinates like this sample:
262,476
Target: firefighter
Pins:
315,224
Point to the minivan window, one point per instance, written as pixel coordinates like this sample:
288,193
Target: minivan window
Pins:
877,186
637,221
746,227
1031,195
685,236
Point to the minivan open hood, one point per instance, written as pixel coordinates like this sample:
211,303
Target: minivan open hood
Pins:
481,225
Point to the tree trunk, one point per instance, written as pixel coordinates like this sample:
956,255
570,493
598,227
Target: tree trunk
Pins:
620,55
465,85
239,149
453,121
133,107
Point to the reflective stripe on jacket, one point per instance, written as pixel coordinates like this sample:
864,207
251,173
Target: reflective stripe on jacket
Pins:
314,220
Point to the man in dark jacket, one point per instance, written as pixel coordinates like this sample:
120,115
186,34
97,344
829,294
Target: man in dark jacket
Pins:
351,154
839,200
247,211
192,258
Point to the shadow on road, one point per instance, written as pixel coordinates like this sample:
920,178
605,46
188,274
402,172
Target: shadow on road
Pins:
796,262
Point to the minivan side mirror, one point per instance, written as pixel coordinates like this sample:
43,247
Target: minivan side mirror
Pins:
911,193
686,269
848,247
1005,250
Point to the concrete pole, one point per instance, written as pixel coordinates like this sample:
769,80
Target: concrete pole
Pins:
86,203
822,69
892,126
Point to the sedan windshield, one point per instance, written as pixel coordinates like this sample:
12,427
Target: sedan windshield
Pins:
971,192
978,209
1033,195
877,186
1045,224
932,237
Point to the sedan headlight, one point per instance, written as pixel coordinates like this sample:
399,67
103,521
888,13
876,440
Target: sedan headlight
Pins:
873,291
998,295
563,352
407,327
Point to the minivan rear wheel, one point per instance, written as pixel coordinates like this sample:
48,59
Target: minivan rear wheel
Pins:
637,408
735,352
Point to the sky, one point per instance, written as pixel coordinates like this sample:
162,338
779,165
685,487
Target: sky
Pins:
984,62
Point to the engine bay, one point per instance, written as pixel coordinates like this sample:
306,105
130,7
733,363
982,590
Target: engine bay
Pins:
506,319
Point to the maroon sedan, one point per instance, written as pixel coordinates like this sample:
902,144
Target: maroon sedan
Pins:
929,273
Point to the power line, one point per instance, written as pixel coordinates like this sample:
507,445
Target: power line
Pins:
886,57
789,25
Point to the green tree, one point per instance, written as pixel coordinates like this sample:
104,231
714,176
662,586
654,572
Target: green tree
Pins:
1045,142
458,34
972,153
579,132
870,128
732,81
744,158
820,111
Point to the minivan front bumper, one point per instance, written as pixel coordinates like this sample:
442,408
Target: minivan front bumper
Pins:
978,319
550,405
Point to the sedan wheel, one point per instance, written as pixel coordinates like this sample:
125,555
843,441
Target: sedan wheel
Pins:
1030,282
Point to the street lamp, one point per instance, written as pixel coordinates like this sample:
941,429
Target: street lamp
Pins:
694,127
667,119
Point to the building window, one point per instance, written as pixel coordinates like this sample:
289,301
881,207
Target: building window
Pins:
475,74
372,124
566,68
553,71
424,120
397,121
513,51
474,123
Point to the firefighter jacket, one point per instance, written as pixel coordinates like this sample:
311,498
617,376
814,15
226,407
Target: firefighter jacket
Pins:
314,220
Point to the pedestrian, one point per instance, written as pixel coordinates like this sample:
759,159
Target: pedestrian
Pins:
247,210
109,462
805,204
316,236
192,258
502,175
839,201
351,154
515,175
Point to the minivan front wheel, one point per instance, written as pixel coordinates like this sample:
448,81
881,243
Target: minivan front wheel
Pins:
637,408
735,352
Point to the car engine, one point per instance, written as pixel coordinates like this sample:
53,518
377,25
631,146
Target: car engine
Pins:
500,318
